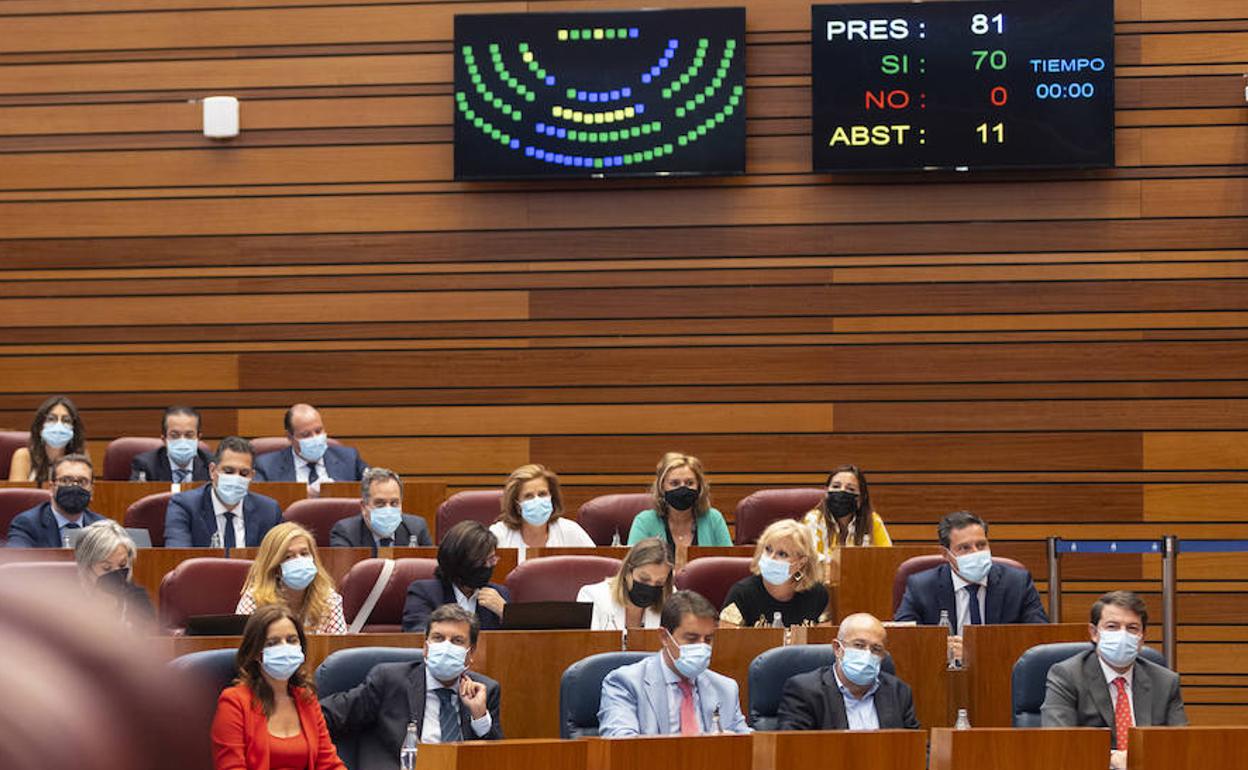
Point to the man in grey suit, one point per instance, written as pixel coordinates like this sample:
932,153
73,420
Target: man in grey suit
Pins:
1109,685
672,692
853,693
381,522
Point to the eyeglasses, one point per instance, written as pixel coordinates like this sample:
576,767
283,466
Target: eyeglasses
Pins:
72,481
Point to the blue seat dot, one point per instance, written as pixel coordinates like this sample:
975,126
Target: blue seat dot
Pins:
669,53
550,130
639,108
515,144
645,78
550,80
563,133
673,43
664,61
580,95
633,32
529,152
619,160
541,154
626,92
541,128
654,71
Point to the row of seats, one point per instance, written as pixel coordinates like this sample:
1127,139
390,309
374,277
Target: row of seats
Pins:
607,518
211,586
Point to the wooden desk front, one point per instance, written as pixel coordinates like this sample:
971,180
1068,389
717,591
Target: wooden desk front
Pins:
989,654
919,655
510,754
1020,749
1187,748
875,749
864,577
725,751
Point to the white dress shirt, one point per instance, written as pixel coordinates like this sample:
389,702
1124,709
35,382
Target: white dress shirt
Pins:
963,598
302,465
860,713
560,533
608,614
1110,676
240,529
431,728
675,697
468,603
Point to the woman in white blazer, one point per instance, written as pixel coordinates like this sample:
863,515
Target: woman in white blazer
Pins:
634,597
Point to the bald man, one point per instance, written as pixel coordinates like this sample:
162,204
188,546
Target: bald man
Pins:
311,458
853,693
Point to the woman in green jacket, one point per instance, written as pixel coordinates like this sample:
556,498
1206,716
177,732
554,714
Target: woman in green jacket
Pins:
682,515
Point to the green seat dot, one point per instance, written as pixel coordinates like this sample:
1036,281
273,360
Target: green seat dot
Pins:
575,34
541,74
470,114
682,140
667,148
530,97
684,79
717,83
460,96
730,43
610,33
680,112
703,42
524,47
729,109
621,33
478,122
598,161
516,116
506,108
667,94
738,90
635,132
498,103
719,118
648,155
701,130
734,100
646,129
614,136
700,99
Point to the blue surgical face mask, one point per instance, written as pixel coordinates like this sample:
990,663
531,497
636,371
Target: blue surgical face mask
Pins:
694,658
299,572
860,666
774,571
56,434
281,661
446,660
181,450
973,567
385,520
537,510
312,448
1118,648
232,488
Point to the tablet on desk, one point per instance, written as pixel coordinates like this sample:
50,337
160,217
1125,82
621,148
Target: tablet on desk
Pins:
542,616
216,625
141,537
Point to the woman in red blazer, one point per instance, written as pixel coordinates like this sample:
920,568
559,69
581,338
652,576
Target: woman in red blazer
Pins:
270,719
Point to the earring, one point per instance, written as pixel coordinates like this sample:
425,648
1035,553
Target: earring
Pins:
797,576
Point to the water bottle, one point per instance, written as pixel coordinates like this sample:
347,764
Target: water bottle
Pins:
944,623
716,727
624,638
776,620
413,541
615,538
215,540
65,538
963,722
411,742
142,476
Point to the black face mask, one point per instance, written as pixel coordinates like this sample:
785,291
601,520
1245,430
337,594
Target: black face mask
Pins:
73,500
114,582
681,498
642,595
842,504
477,577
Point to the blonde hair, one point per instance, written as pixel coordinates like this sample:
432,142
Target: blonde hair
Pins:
670,462
651,550
263,579
812,572
98,542
510,513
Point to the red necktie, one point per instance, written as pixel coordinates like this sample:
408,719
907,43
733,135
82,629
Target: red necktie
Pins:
688,717
1122,715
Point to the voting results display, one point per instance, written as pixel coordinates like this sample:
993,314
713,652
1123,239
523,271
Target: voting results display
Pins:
963,85
592,94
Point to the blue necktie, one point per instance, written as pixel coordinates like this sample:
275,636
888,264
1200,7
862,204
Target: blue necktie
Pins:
180,475
312,475
448,716
972,590
227,539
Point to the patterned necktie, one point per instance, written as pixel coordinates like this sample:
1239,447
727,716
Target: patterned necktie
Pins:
448,716
312,475
972,590
688,717
227,538
180,475
1122,714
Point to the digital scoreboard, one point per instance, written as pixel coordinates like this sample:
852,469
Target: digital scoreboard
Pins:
963,85
593,94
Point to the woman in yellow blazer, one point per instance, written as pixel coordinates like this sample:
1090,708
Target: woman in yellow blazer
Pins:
845,516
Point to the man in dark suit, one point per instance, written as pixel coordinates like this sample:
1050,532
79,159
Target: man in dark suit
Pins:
853,693
311,458
225,507
179,459
466,560
45,525
1110,685
970,587
446,701
381,522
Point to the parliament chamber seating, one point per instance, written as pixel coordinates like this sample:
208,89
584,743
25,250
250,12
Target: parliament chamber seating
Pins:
15,500
40,572
770,670
214,669
557,578
344,669
148,513
319,514
580,690
10,442
201,586
917,564
1031,671
481,505
387,614
712,576
759,509
605,516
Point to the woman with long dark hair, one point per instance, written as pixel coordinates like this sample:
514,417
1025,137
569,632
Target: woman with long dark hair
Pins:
270,717
845,516
56,431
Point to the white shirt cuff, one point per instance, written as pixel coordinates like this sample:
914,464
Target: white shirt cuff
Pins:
482,725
